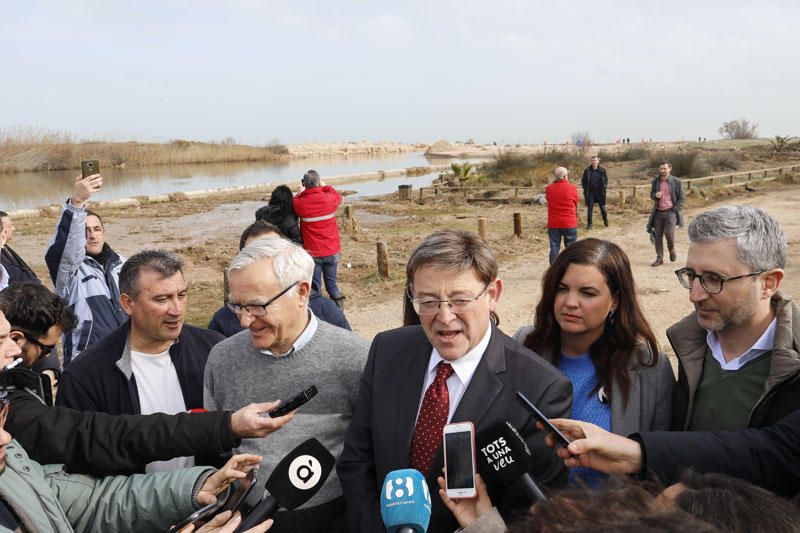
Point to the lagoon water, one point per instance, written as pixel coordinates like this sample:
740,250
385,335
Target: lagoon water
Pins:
28,190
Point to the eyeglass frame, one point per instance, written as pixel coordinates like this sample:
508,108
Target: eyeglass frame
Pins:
722,279
44,349
415,302
242,308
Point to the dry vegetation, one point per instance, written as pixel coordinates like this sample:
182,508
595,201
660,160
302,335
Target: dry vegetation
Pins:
31,150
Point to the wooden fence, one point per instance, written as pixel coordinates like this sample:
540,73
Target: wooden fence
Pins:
725,180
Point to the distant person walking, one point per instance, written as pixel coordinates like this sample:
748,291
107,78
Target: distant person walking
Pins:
562,211
316,205
594,183
667,193
280,213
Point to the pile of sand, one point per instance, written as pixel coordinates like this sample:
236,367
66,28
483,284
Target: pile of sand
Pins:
439,147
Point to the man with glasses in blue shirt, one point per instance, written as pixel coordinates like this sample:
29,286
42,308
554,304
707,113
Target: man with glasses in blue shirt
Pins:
738,358
283,350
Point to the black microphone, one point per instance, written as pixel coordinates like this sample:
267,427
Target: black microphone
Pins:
294,481
504,457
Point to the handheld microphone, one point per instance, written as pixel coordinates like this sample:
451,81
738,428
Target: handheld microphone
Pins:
504,457
405,502
294,481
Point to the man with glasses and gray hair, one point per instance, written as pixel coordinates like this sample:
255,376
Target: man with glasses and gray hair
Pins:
449,364
738,360
283,350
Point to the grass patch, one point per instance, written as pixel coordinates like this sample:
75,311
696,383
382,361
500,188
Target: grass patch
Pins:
32,150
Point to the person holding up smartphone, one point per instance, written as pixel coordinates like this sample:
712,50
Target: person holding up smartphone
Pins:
85,269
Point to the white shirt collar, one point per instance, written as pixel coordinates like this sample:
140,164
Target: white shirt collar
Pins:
465,366
762,345
302,340
4,277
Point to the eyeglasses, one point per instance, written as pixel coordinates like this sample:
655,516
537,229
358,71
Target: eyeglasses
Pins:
430,306
711,283
258,310
44,349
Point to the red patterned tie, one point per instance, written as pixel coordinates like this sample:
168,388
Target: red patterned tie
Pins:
431,420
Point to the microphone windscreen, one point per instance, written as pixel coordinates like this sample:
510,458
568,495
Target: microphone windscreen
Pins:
300,474
405,501
503,456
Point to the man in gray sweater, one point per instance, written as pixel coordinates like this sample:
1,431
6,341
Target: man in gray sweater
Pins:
283,350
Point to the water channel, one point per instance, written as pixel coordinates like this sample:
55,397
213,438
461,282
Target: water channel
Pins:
30,190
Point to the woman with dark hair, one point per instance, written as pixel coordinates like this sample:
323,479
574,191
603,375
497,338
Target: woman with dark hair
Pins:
589,324
279,211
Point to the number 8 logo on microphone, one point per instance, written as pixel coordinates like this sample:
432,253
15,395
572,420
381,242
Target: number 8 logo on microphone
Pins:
395,489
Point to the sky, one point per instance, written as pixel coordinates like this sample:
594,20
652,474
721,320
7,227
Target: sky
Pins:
417,71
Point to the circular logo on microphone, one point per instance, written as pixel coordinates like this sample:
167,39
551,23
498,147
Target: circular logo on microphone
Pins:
305,472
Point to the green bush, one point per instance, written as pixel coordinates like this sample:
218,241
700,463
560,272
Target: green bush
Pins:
724,161
685,163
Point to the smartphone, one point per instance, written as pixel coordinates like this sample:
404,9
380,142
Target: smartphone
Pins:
294,403
242,490
89,167
203,514
538,415
459,460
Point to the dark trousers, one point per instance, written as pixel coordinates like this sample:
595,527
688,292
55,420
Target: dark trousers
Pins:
570,235
326,268
600,198
664,226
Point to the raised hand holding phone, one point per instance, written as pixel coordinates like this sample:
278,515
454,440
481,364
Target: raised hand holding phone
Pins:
459,460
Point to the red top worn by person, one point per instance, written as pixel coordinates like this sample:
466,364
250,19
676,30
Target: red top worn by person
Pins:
316,208
562,204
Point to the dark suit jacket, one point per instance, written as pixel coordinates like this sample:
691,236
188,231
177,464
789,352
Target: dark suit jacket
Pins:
768,457
379,437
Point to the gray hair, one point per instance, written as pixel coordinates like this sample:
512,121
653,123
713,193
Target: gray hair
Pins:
560,173
760,241
290,262
160,261
311,179
453,250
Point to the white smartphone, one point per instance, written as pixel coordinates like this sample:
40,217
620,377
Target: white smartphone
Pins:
459,460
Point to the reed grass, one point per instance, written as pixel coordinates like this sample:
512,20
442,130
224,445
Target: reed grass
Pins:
33,150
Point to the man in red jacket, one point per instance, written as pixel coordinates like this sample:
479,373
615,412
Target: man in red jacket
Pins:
562,211
316,205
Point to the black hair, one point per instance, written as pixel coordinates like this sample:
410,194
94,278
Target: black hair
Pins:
33,308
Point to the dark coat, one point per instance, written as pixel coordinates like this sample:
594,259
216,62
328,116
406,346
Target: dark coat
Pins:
285,219
597,193
96,380
102,444
768,457
678,198
18,270
379,437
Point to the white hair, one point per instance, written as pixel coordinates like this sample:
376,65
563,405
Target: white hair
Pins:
560,173
290,262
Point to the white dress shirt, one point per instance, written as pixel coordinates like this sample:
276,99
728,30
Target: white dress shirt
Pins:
762,345
464,368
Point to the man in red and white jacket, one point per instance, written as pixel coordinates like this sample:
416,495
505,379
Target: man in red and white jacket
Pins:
316,205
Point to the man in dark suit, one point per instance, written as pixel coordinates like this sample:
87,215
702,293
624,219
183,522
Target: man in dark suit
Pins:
454,365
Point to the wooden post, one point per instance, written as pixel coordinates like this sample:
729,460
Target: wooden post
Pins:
383,261
622,198
517,225
731,179
348,212
436,191
420,193
516,192
749,176
635,190
765,174
482,229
